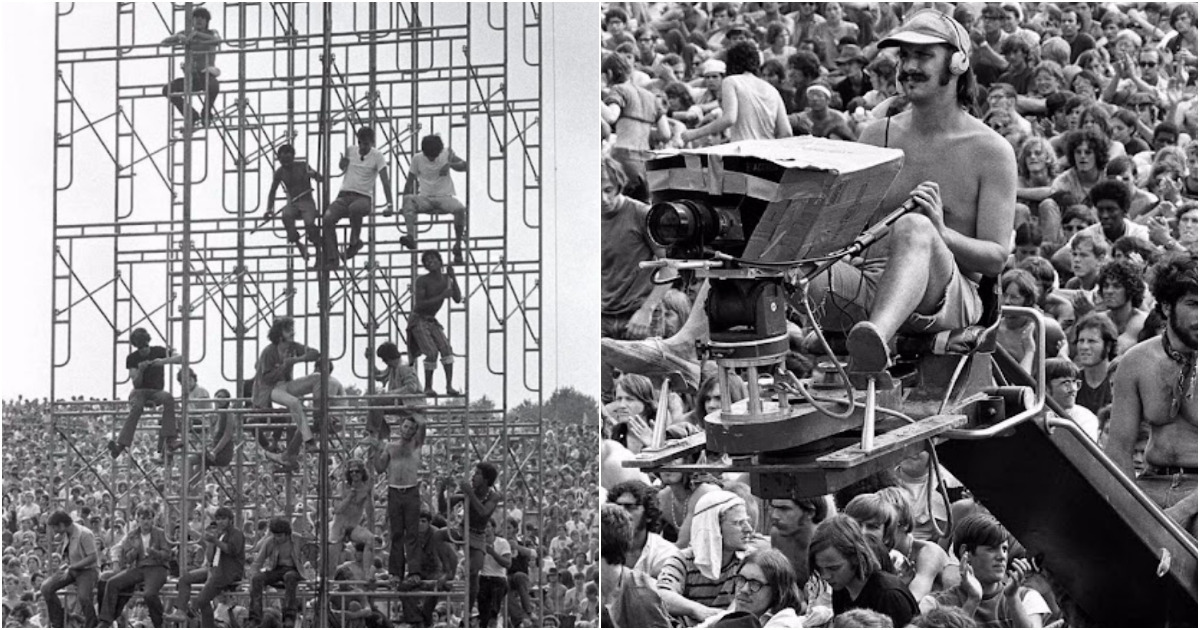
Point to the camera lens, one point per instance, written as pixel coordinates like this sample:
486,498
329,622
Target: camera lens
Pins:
673,223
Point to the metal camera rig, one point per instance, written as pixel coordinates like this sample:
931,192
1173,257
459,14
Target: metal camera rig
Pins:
757,221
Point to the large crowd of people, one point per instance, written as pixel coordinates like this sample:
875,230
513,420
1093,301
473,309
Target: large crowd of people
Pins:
128,526
1050,148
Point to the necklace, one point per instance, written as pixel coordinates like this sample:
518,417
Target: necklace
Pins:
1182,389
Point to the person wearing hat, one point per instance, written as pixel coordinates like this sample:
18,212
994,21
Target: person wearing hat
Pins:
750,108
854,84
960,178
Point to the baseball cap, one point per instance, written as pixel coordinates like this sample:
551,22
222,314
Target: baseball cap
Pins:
929,26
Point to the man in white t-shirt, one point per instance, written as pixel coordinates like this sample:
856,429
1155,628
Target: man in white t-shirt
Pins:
357,196
430,190
493,577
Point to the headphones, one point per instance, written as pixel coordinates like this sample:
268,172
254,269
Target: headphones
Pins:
959,62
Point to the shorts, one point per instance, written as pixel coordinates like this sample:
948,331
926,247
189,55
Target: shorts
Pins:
844,295
434,205
304,207
427,337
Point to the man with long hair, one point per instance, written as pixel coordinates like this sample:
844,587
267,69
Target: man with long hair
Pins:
962,178
1155,384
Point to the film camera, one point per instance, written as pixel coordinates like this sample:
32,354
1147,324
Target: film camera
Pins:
761,206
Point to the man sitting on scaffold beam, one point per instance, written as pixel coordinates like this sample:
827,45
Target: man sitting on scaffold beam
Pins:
430,190
357,196
146,373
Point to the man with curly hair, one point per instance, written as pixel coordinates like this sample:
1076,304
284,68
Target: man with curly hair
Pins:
1122,290
1156,384
648,551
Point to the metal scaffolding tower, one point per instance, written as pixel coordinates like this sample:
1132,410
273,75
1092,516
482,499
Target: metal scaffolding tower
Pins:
159,224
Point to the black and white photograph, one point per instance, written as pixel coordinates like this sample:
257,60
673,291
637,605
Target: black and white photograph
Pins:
898,314
303,296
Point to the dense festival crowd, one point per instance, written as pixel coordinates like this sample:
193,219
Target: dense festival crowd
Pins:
1082,115
40,481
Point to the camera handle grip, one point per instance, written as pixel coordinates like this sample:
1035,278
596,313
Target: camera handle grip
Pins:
875,232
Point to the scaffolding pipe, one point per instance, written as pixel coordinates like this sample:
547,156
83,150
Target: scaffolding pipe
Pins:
323,402
186,340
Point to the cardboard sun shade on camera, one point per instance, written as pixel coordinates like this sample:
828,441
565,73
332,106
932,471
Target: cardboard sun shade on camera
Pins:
821,193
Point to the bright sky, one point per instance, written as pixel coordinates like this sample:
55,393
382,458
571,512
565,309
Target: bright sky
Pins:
570,275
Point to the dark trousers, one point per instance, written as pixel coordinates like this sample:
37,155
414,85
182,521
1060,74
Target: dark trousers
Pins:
201,83
493,591
287,577
404,515
213,585
347,204
418,611
520,605
116,593
137,404
85,588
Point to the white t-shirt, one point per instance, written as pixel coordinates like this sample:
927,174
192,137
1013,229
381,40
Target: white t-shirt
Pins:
1086,421
654,555
492,568
361,173
429,175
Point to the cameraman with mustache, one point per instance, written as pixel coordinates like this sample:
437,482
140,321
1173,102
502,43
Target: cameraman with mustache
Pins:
962,177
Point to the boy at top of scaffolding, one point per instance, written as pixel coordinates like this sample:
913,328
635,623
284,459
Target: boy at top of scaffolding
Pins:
429,189
295,177
145,366
357,196
202,75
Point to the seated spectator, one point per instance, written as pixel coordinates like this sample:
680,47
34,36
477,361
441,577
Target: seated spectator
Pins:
1121,292
840,552
698,583
990,590
648,551
1087,155
765,587
818,119
1062,384
1049,301
708,397
631,598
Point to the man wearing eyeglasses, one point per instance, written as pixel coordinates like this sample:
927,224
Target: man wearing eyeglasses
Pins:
1062,377
697,583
